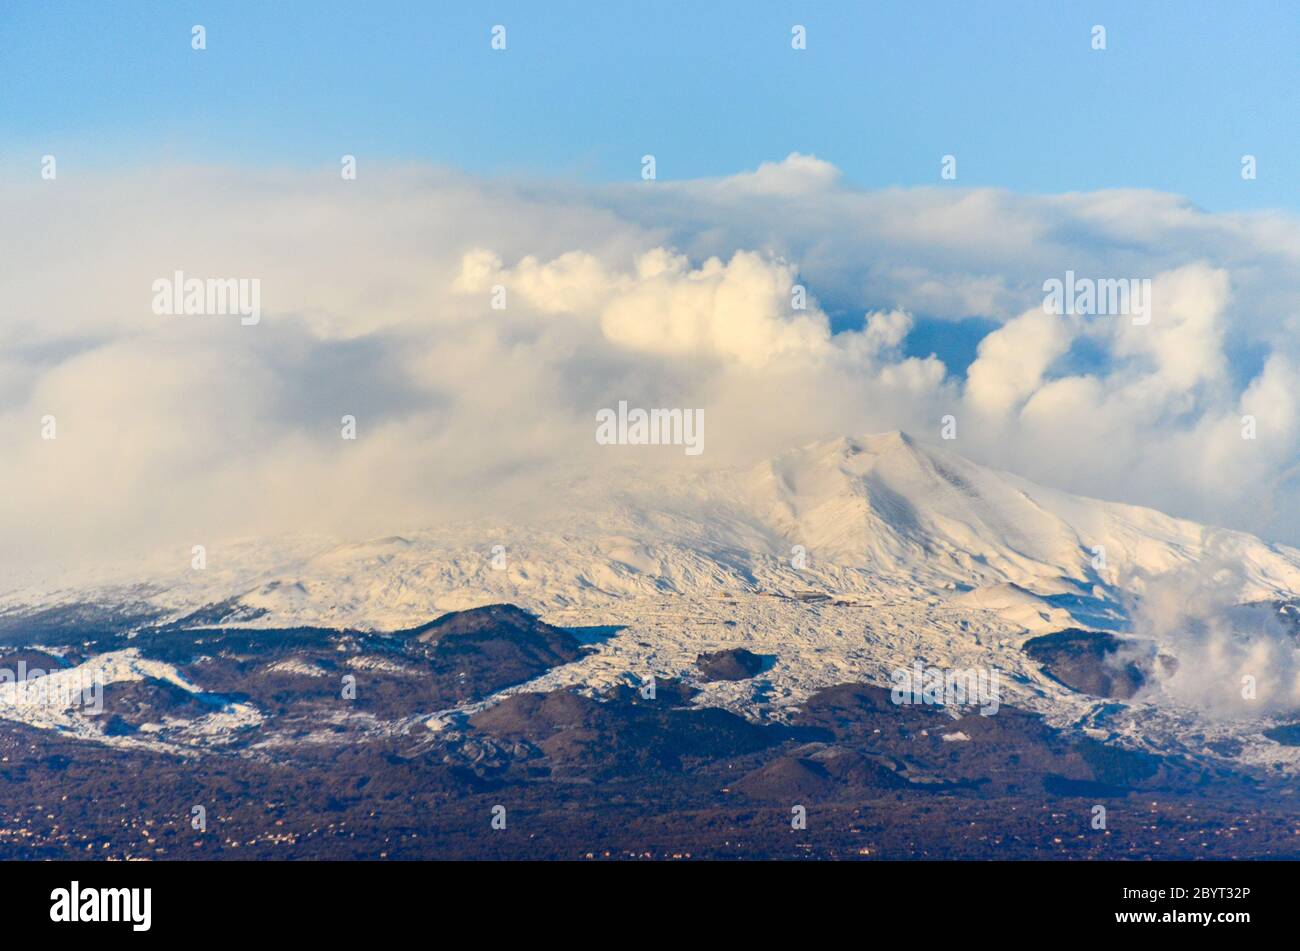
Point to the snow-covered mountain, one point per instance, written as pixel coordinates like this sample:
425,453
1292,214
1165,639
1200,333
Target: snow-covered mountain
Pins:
849,516
842,560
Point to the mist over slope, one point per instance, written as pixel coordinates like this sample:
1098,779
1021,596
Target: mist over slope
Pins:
841,561
855,514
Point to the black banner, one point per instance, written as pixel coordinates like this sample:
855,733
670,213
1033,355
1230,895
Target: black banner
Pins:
332,900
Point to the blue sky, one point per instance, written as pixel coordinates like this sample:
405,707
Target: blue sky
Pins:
1182,91
226,162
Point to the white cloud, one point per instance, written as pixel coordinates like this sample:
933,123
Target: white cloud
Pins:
376,299
1013,360
739,311
1185,335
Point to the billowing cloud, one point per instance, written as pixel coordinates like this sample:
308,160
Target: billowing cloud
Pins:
747,311
1013,359
473,328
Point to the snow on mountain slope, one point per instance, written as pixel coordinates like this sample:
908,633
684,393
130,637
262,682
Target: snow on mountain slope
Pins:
885,503
843,560
66,700
847,517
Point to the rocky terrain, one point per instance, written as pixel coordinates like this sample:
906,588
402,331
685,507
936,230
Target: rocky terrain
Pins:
327,771
704,667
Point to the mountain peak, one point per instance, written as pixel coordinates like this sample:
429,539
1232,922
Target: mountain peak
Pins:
875,444
883,442
883,502
860,511
850,454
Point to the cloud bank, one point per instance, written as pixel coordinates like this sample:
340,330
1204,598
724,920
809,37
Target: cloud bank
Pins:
381,300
